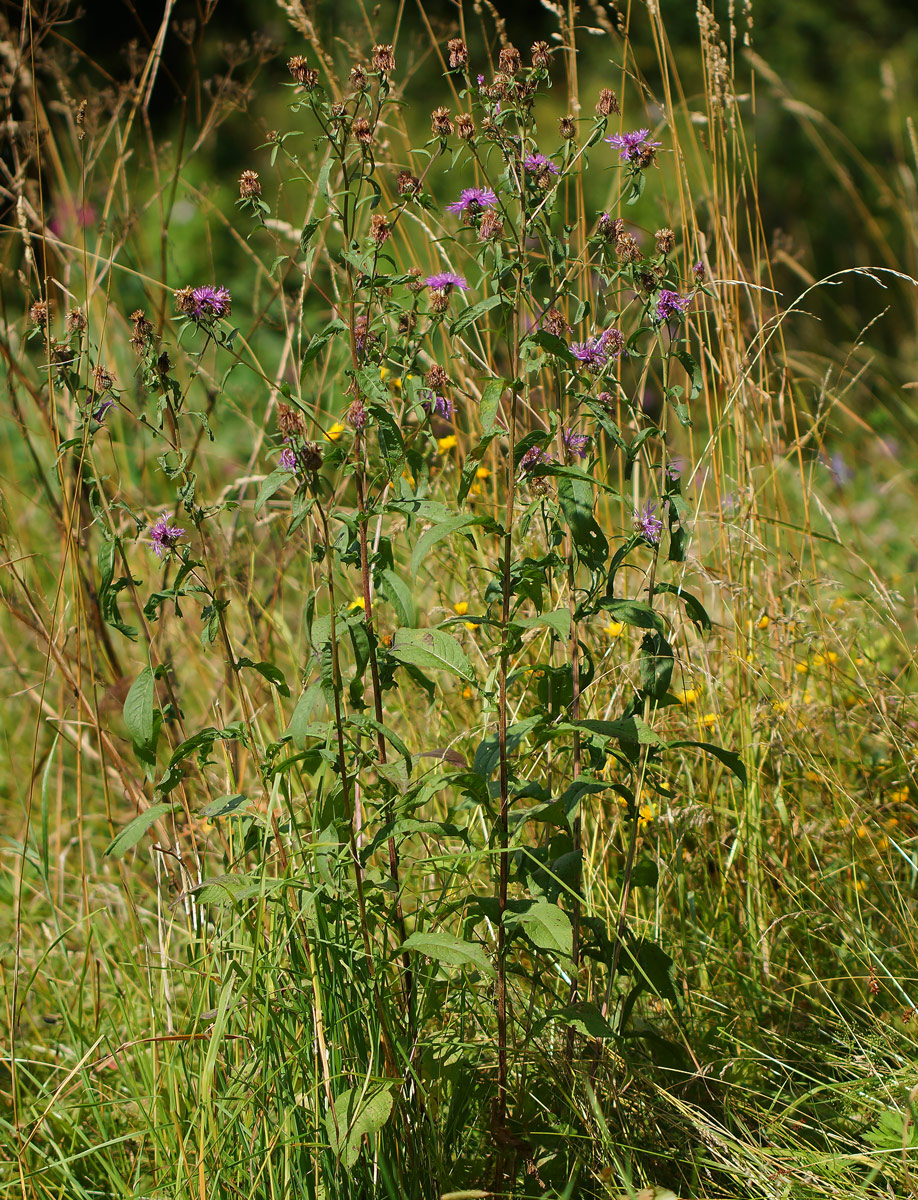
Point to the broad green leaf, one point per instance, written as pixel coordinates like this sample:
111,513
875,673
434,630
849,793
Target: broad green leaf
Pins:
631,729
138,708
559,620
633,612
729,758
131,834
266,670
437,533
445,948
269,485
470,315
399,595
585,1018
431,649
311,698
225,806
487,755
357,1113
693,605
546,925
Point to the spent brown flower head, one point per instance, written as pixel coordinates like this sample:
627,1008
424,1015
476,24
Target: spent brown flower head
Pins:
607,104
142,333
666,240
541,55
407,322
415,282
249,185
439,301
458,53
509,60
491,227
302,72
553,322
440,122
465,126
379,229
184,301
75,321
610,228
104,379
358,79
309,456
363,131
289,422
383,59
38,313
437,379
407,184
567,128
627,249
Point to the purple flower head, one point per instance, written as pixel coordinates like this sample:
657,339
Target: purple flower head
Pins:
674,468
480,80
648,525
670,304
473,201
534,457
632,145
100,412
576,444
698,271
210,303
441,405
163,536
445,282
539,162
288,460
596,351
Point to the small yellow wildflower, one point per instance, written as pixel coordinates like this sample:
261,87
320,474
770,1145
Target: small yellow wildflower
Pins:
646,814
384,373
398,382
335,432
409,478
461,607
614,629
808,697
764,622
471,624
839,602
832,656
709,719
779,705
858,662
818,660
859,885
474,490
844,822
467,693
812,776
898,795
447,443
357,602
686,697
882,844
863,831
801,668
892,822
482,473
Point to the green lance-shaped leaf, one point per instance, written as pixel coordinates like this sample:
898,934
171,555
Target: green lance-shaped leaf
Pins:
445,529
693,605
357,1113
729,758
546,925
131,834
431,649
138,708
445,948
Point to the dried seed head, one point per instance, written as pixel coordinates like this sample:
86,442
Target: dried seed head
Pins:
289,422
607,104
358,79
644,158
415,283
184,301
523,89
406,323
408,184
163,365
439,301
500,88
310,457
383,60
302,72
491,227
437,379
666,240
105,381
357,415
611,228
458,53
38,313
379,229
142,333
553,322
75,320
465,126
440,122
627,249
541,55
249,185
363,131
567,128
509,60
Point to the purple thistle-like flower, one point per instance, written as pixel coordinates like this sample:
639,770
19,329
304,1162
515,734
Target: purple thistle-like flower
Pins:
632,145
164,536
480,80
100,412
534,457
473,200
441,405
445,282
288,460
210,303
670,304
596,351
648,525
539,162
576,444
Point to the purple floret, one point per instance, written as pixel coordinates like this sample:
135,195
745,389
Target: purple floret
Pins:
473,200
441,405
288,459
596,351
210,303
670,304
534,457
539,162
648,525
446,281
576,444
632,145
164,536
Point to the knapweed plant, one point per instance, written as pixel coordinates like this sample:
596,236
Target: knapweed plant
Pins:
384,797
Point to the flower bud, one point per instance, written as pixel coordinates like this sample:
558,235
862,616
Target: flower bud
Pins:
249,185
567,129
541,55
607,104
